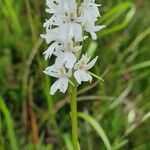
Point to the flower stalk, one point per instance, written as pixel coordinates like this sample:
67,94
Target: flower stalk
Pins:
74,122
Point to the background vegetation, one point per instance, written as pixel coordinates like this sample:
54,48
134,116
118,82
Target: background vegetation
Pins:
113,114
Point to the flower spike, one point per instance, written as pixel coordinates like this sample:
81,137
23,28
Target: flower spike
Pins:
64,32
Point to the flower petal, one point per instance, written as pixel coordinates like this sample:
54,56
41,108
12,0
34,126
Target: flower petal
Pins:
91,64
55,87
66,58
61,84
81,75
51,71
48,53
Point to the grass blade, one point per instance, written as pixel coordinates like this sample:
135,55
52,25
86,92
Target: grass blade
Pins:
111,15
120,145
9,125
68,142
11,12
98,129
136,67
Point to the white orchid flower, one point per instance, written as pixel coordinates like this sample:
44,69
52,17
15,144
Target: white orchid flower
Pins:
74,30
52,6
52,49
63,78
89,10
60,6
67,56
51,35
65,17
82,67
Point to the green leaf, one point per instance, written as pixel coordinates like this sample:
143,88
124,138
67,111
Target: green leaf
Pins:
112,15
136,67
120,145
68,142
9,11
9,125
92,48
97,127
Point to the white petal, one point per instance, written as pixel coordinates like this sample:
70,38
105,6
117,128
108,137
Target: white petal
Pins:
92,63
81,75
51,71
55,87
89,10
94,36
48,53
68,5
66,58
70,59
51,35
52,7
85,58
78,32
91,28
78,76
97,28
61,84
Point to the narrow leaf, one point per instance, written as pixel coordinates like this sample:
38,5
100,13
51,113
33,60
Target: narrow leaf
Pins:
98,129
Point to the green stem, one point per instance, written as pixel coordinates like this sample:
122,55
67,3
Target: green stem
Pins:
78,2
74,122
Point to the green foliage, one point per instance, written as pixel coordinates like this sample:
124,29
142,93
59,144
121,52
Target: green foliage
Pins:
9,125
119,107
98,129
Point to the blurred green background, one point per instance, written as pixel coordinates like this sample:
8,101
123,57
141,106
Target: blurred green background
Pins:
113,114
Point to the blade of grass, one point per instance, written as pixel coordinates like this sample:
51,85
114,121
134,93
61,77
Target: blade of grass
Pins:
120,145
47,84
136,42
112,14
8,5
123,95
115,10
141,76
92,48
130,129
31,21
9,125
2,140
68,142
97,127
136,67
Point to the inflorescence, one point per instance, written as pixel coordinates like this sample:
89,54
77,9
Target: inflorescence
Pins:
65,32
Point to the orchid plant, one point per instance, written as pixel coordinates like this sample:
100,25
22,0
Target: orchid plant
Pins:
65,32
